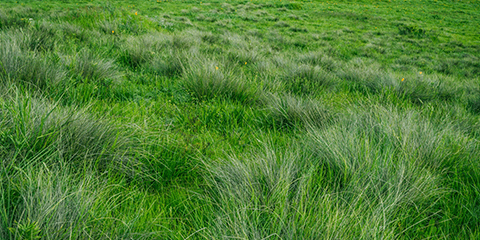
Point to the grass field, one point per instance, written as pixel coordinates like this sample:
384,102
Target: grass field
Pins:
155,119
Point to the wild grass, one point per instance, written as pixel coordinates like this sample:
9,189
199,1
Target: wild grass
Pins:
286,111
47,203
206,79
138,50
44,148
305,79
12,18
248,120
44,37
318,59
413,153
32,127
363,175
26,66
92,66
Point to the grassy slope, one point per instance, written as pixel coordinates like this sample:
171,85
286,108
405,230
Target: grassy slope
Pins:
249,119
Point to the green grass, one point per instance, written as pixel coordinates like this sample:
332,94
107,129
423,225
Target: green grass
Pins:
239,119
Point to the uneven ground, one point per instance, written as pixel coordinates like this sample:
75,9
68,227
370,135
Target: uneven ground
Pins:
239,119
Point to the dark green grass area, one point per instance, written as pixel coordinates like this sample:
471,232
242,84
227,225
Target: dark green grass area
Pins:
239,119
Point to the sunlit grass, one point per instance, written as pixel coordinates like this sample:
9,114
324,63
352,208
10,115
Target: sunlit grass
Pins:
230,119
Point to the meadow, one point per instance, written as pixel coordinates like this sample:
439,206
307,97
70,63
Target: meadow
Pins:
236,119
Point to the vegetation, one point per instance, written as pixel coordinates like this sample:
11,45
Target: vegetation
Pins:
157,119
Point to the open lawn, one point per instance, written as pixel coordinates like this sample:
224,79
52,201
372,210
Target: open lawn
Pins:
238,119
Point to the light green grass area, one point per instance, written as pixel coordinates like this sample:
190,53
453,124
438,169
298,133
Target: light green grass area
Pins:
238,119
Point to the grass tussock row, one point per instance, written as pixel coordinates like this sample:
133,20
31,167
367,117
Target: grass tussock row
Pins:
300,74
22,60
418,87
430,158
367,77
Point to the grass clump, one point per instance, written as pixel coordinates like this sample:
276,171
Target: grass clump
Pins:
306,78
44,149
44,37
243,56
206,79
397,159
47,203
286,111
473,102
92,66
138,50
12,19
365,77
319,59
32,128
167,63
341,180
282,24
419,88
256,195
159,53
25,66
411,30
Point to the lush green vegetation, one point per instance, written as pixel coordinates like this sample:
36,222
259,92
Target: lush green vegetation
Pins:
236,119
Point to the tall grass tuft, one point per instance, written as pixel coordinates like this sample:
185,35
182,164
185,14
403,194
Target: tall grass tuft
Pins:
205,79
47,203
168,63
159,53
25,66
372,175
54,166
365,77
421,88
92,66
138,50
43,151
44,37
286,111
32,128
305,78
245,49
255,195
13,19
242,56
317,58
395,163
